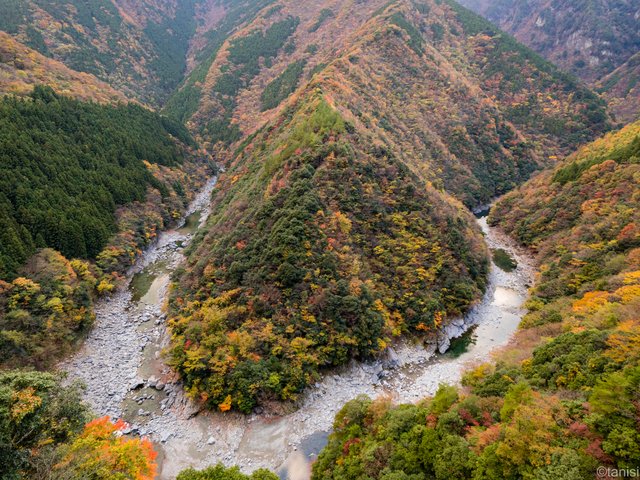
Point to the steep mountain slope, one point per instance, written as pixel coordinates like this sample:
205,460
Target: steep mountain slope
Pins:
495,110
92,182
333,229
21,68
323,247
137,47
586,208
588,38
621,88
563,400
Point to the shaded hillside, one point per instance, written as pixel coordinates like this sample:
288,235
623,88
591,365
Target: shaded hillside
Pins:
21,68
621,88
137,47
586,37
590,39
322,247
204,50
92,182
563,400
466,107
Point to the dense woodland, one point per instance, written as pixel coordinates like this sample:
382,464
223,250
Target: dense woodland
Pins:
84,182
325,242
355,137
22,68
245,55
321,248
563,399
497,111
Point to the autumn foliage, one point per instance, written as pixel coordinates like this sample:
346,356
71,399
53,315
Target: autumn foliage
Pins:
324,253
99,205
564,398
333,230
101,452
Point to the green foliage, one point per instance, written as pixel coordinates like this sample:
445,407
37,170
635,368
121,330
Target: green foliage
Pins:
443,399
90,181
14,14
283,86
614,400
415,38
625,153
185,100
171,38
503,260
583,219
244,55
37,414
518,394
569,360
517,66
42,315
574,403
65,196
93,36
220,472
246,51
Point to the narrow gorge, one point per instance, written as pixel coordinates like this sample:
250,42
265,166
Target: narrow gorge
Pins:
121,364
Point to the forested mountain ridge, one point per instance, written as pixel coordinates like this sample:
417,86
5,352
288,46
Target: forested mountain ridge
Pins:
323,246
563,398
590,39
22,68
316,216
491,122
355,136
93,182
586,37
139,48
143,49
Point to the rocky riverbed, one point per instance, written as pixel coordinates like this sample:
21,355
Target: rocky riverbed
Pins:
110,359
121,364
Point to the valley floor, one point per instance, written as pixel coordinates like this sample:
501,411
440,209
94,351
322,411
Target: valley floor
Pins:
121,364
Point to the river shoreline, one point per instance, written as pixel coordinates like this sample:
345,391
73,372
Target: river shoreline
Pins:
122,367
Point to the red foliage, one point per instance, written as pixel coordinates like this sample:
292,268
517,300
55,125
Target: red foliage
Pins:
348,444
468,418
595,450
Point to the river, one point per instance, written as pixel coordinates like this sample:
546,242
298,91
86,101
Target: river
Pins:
121,364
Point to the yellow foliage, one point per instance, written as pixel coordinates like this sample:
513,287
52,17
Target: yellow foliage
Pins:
105,287
624,343
344,224
628,293
591,302
55,305
24,402
632,278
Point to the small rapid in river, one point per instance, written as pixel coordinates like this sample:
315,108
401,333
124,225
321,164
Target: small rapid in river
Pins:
121,365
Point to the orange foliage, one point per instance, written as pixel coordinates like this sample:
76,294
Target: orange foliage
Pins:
102,452
226,405
624,343
591,302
